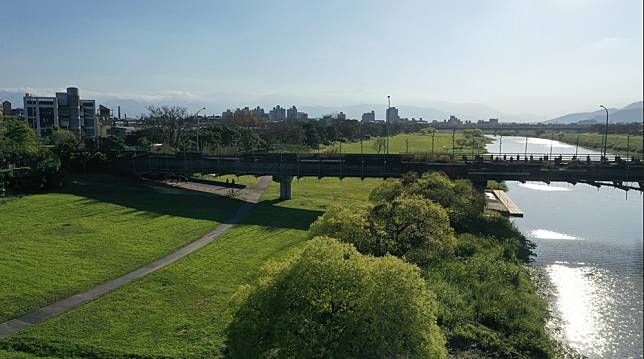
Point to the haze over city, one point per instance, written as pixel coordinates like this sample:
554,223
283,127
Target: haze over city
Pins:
519,60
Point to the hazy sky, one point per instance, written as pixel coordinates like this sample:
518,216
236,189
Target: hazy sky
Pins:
543,57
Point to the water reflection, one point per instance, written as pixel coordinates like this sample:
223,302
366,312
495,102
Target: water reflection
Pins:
538,186
546,234
589,245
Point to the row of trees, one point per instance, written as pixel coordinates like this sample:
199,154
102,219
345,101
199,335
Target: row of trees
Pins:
175,127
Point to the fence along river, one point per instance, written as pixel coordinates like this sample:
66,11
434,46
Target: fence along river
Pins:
589,249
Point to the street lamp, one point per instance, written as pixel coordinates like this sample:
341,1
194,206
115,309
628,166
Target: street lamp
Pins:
387,123
197,119
605,130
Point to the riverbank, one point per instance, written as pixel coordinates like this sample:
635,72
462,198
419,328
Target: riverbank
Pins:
589,254
487,302
618,144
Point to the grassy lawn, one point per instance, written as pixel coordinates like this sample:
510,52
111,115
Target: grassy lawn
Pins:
58,244
183,310
617,144
421,143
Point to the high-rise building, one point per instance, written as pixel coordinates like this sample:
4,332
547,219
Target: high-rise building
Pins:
302,116
65,110
258,111
392,115
277,113
291,113
369,116
341,116
6,108
227,115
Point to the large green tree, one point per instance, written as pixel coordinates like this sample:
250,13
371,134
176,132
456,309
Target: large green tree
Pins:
18,140
333,302
409,226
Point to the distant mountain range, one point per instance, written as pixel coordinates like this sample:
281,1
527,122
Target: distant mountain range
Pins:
429,111
631,113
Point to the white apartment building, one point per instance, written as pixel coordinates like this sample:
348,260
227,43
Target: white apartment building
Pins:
65,110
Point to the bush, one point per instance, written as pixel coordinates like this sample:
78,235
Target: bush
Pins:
333,302
461,200
409,227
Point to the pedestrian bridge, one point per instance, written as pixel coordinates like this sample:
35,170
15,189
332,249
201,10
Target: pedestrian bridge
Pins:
590,169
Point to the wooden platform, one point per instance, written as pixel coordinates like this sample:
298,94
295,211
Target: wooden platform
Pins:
499,201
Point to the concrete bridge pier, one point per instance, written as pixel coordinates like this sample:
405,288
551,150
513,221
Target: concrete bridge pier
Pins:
480,185
285,186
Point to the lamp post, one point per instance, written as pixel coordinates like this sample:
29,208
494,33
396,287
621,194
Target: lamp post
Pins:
605,131
197,118
387,124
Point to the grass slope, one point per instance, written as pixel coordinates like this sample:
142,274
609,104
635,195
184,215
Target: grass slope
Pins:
617,144
182,310
58,244
421,143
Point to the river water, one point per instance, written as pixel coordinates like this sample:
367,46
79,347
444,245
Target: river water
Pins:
589,248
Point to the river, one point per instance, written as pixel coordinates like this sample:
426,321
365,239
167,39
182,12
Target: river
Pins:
589,249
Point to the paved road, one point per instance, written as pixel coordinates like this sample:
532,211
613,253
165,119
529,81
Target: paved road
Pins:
11,327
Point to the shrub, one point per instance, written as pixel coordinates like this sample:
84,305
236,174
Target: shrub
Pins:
459,198
409,226
333,302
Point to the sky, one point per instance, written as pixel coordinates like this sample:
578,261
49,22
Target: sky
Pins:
539,58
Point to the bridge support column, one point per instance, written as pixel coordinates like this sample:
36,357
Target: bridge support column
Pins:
285,187
480,186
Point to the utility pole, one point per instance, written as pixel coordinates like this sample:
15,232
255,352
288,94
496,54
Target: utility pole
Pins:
453,148
500,144
433,133
387,123
605,130
197,119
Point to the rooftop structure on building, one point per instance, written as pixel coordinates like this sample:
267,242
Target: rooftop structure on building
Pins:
65,110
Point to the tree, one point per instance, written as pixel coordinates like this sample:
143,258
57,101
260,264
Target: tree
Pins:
65,144
333,302
379,144
409,227
387,191
461,200
111,144
169,125
18,140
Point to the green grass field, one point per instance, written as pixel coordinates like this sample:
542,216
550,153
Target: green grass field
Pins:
182,310
420,143
618,144
58,244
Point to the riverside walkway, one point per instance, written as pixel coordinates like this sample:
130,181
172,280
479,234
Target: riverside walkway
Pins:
13,326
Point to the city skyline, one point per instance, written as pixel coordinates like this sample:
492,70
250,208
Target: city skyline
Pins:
536,60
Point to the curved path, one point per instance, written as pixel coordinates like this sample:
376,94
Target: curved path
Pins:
11,327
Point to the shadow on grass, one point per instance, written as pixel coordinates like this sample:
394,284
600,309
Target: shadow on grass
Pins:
156,201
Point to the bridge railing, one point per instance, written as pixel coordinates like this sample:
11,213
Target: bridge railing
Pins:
463,156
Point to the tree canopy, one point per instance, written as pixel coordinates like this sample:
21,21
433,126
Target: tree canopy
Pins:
409,226
333,302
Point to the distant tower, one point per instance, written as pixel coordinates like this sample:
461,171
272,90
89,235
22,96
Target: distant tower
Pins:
119,111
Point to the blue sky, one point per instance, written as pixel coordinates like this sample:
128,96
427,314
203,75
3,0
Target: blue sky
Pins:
542,58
